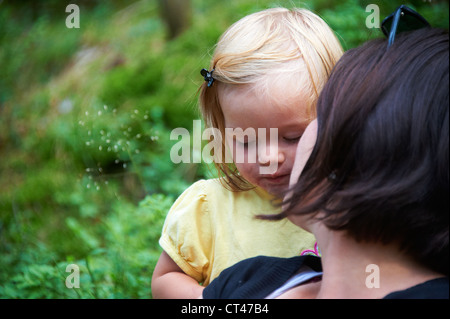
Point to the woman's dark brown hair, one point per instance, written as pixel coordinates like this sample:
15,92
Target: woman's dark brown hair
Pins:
380,167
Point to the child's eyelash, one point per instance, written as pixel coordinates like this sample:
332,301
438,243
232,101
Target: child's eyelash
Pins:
287,139
246,143
292,139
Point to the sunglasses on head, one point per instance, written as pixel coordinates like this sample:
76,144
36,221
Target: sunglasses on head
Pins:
403,19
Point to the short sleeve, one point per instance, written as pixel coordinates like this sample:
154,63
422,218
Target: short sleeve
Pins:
187,236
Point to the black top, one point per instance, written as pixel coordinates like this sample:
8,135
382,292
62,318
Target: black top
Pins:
256,278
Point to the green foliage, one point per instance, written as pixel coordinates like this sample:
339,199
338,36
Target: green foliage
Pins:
117,259
85,121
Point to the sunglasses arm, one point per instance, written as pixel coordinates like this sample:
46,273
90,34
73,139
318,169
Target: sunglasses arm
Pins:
395,21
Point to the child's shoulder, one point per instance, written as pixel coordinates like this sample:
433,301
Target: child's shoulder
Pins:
205,187
212,188
204,184
217,189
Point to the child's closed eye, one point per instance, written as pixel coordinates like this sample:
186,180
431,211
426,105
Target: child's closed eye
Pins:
294,139
245,143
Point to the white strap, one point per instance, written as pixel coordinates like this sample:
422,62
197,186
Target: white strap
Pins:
304,275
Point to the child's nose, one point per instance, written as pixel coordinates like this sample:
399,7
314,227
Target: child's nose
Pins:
270,154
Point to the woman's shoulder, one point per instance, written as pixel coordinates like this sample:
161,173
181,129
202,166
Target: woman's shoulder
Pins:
432,289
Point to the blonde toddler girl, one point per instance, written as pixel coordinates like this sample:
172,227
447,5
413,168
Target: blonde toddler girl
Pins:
266,73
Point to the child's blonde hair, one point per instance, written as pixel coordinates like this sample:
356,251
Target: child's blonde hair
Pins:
293,45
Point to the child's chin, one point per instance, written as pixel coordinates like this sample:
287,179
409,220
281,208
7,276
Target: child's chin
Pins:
276,190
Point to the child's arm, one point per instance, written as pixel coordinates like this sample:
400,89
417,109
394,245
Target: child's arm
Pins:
170,282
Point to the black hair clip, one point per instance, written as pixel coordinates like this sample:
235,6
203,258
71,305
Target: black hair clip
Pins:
208,76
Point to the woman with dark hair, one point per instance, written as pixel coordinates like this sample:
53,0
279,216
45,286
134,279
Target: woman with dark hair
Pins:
373,185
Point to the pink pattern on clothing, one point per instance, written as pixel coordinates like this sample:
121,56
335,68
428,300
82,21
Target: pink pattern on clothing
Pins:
315,252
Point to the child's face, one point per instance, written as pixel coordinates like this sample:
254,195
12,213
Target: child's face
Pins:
244,107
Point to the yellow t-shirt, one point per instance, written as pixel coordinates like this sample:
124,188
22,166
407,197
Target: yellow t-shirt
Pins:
210,228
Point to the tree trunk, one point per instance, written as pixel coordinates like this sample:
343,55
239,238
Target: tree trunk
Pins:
177,15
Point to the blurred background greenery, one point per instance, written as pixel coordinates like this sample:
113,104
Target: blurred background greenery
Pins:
85,119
